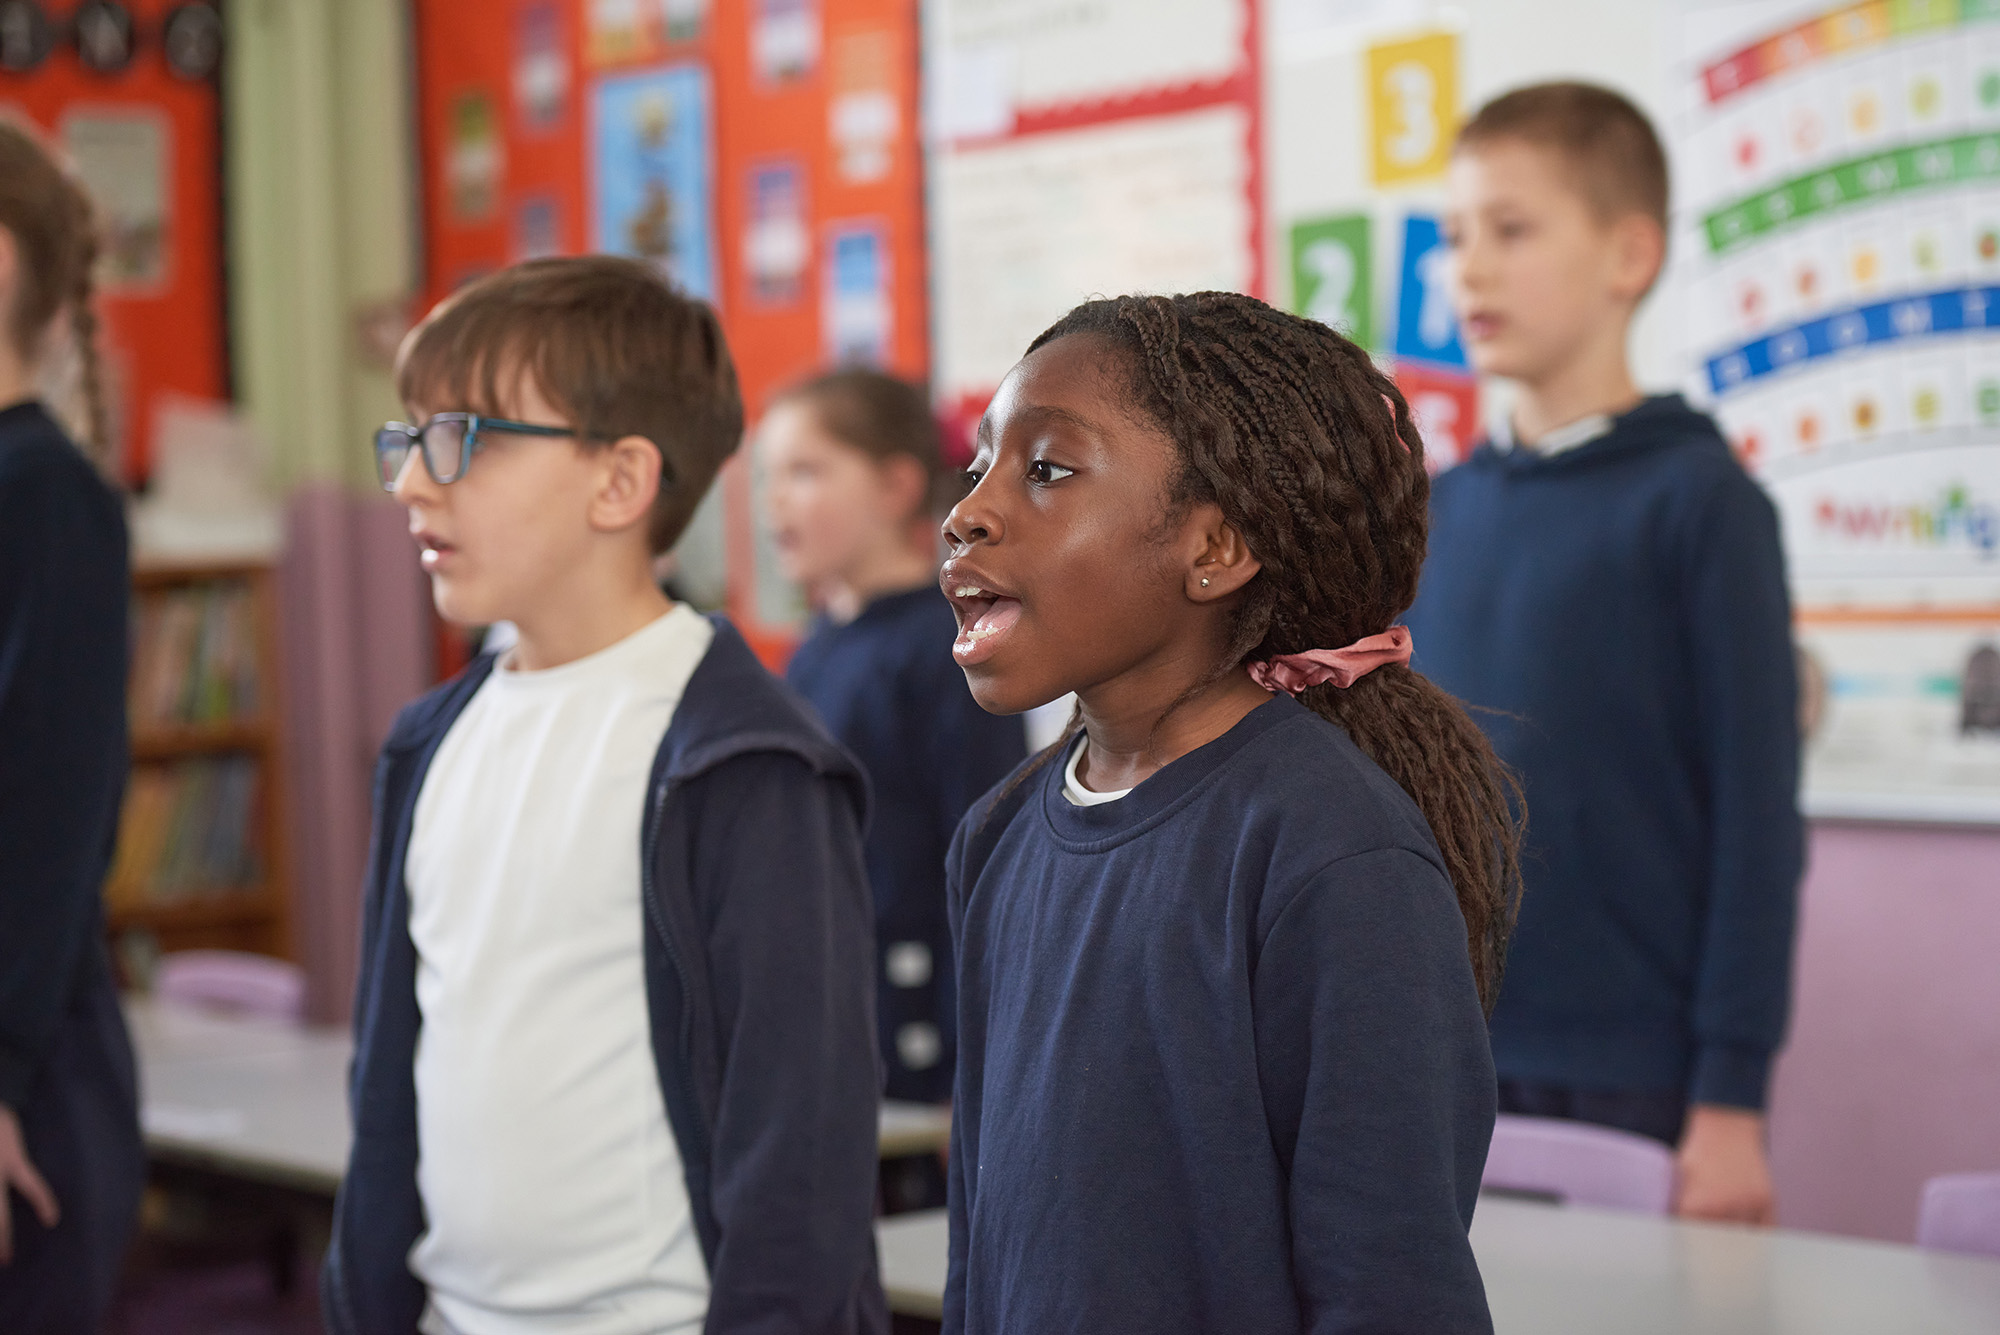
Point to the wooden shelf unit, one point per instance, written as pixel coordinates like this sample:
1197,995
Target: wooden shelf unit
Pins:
253,916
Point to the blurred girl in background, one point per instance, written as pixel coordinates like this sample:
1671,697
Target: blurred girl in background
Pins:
853,485
72,1164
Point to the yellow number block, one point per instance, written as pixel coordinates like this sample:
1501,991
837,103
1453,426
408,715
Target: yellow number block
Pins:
1413,100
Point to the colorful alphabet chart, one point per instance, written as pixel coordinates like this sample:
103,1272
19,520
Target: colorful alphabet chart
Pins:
1838,181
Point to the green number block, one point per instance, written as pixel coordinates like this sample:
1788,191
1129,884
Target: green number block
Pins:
1333,274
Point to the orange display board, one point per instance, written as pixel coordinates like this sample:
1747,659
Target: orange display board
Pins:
147,143
763,152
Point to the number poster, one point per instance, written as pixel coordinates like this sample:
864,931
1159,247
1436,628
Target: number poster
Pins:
1839,179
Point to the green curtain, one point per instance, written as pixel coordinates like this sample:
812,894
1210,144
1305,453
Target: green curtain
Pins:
320,163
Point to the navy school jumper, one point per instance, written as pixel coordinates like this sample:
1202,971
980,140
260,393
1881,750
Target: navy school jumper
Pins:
1617,614
65,1060
759,957
887,687
1222,1064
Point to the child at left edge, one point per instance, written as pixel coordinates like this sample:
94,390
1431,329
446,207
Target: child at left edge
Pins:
1223,949
851,464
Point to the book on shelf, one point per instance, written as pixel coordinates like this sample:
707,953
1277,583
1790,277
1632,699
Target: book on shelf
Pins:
194,656
188,830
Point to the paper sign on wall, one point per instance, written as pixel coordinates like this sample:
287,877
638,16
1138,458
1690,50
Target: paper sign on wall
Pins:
123,158
1332,274
1426,328
1413,104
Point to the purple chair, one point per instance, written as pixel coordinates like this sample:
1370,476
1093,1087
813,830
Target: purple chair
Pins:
233,980
1961,1213
1580,1164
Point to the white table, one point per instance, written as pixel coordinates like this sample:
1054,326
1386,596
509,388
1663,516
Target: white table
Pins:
1553,1270
243,1097
252,1099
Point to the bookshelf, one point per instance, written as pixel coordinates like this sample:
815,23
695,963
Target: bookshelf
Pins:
200,861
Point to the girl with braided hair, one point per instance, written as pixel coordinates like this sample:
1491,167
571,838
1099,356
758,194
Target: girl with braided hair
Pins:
71,1161
1224,949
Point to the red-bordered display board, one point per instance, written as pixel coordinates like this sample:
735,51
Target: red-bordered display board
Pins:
146,142
1081,150
764,152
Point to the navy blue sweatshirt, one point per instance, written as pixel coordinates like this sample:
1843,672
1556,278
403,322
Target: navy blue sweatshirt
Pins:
63,752
1623,605
886,686
1222,1064
756,962
65,1060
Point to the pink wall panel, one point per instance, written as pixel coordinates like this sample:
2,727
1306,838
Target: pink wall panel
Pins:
1892,1073
356,638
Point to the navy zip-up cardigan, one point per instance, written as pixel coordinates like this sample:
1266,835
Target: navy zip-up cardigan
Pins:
759,961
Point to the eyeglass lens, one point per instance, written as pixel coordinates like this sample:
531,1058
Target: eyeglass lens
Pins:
443,445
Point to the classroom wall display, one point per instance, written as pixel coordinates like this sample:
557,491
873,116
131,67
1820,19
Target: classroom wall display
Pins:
144,135
1080,150
1839,171
765,153
1445,406
633,31
1372,230
1426,326
652,176
1413,104
1333,274
541,68
122,158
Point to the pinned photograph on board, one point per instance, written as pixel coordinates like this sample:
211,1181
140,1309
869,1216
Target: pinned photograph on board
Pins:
474,158
858,316
541,67
777,242
864,112
618,32
784,39
651,172
122,158
537,228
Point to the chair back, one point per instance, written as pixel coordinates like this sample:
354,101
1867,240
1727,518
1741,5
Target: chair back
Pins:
233,980
1961,1213
1580,1164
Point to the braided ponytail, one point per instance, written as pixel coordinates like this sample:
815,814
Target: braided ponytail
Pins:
54,229
1310,453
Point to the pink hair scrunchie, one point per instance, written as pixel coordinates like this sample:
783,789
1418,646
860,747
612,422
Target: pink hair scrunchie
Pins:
1292,673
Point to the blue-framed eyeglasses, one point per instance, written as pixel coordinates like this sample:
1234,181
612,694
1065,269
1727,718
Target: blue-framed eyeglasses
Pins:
447,442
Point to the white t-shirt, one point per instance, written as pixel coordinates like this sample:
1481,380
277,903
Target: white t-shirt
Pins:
550,1176
1073,789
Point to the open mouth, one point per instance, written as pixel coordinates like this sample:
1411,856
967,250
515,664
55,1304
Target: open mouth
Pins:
432,551
984,618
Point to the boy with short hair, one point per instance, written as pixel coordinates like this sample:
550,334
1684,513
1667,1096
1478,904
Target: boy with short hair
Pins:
615,1060
1607,582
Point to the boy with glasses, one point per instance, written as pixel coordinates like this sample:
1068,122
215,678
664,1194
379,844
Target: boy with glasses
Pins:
614,1035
